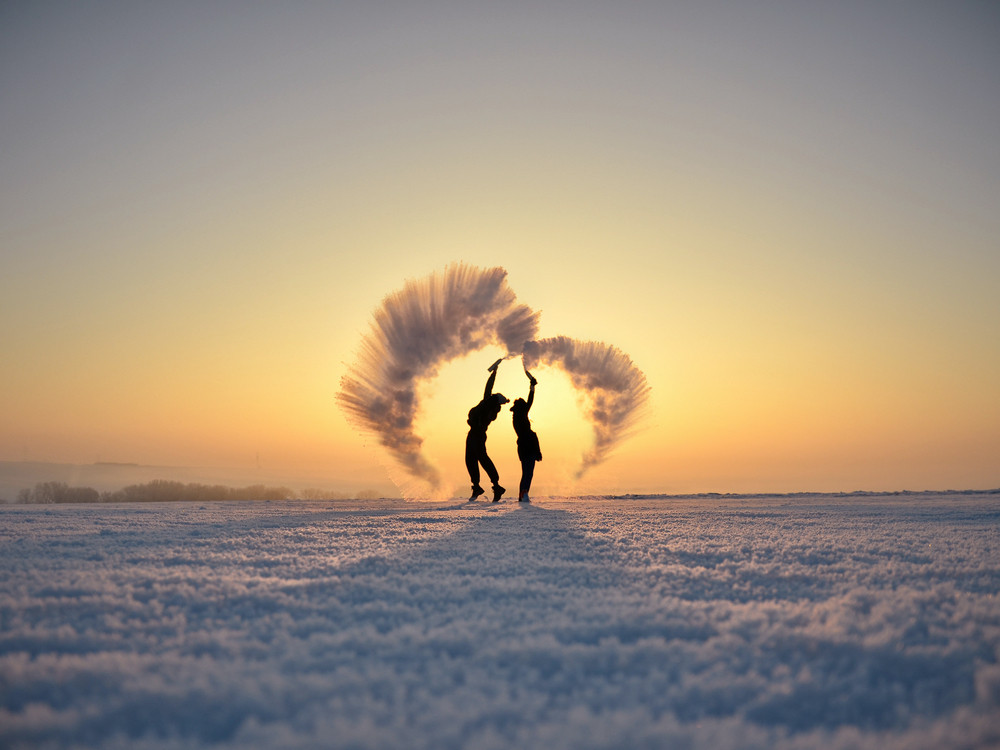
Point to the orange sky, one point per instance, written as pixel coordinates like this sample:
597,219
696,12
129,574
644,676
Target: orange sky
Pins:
789,222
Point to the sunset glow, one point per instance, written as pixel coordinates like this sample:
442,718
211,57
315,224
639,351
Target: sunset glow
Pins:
788,221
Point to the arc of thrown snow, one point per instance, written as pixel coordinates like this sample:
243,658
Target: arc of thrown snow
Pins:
416,329
431,321
616,390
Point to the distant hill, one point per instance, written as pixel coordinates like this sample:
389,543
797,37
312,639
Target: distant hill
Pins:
112,476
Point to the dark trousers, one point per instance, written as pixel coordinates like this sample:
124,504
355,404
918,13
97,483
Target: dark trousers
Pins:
475,454
527,472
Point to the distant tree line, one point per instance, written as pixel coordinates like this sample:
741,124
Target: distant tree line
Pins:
157,491
58,492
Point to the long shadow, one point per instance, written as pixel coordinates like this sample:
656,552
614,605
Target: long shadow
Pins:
508,567
511,615
588,625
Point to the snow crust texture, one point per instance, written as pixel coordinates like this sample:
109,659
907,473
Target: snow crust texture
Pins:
781,622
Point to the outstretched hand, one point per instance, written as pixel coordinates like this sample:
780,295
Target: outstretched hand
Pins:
494,366
531,378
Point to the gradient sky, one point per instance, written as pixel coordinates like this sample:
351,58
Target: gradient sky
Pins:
789,218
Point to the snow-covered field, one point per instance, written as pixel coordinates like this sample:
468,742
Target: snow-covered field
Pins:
780,622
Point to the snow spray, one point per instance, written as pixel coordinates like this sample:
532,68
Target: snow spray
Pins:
615,388
432,321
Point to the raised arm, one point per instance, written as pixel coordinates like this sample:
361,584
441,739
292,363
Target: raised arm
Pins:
531,390
491,379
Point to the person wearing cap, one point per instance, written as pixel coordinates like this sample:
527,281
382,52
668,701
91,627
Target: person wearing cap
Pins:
479,420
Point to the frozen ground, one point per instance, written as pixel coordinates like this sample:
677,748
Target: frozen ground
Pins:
788,622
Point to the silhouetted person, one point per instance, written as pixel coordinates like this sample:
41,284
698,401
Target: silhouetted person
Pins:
480,417
528,449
